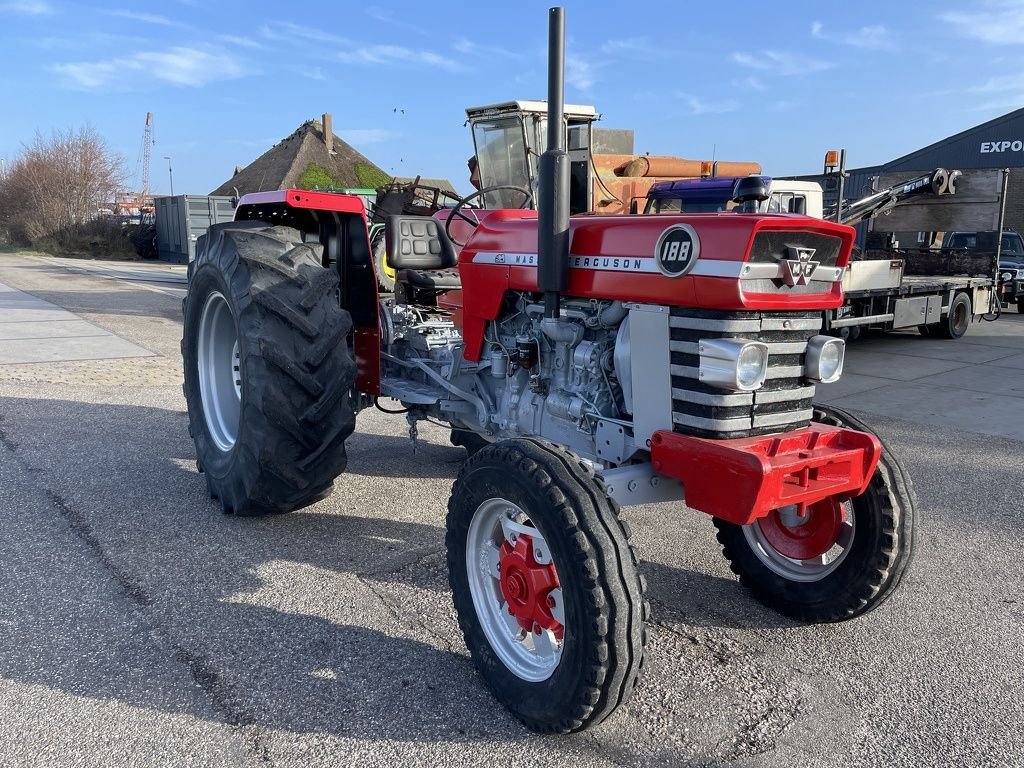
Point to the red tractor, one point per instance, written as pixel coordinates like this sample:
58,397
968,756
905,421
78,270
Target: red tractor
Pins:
585,365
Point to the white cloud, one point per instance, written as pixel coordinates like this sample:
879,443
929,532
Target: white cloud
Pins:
873,37
387,17
749,83
244,42
698,106
145,18
396,54
469,48
28,7
1001,92
1001,84
999,22
286,30
579,73
781,62
640,48
181,66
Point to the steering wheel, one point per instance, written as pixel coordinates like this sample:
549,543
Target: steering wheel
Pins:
474,222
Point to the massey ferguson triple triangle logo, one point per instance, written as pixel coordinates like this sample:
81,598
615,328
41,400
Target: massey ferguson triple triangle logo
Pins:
798,268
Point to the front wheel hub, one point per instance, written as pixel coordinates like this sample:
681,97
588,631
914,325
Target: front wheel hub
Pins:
806,536
807,545
527,586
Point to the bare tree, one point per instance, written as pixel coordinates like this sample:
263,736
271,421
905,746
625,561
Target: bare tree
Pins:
57,184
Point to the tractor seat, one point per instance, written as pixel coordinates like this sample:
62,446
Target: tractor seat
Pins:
433,280
421,254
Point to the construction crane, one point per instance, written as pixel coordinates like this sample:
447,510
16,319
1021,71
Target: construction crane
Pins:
147,144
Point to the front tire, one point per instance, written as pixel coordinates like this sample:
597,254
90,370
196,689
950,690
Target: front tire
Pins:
267,368
545,585
856,552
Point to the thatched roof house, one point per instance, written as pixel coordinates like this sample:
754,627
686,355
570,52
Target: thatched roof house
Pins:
311,157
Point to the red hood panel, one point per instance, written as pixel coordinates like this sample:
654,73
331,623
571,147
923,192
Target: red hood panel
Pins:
613,257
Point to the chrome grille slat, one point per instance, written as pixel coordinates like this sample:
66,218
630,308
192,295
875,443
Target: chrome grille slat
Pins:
703,410
726,399
774,347
781,419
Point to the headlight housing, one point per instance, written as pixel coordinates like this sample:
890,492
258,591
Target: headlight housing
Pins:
737,364
1007,276
824,360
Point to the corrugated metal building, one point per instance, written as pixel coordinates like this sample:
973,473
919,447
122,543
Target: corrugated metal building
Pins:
996,144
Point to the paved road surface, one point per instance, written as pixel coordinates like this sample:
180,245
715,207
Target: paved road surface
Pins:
140,626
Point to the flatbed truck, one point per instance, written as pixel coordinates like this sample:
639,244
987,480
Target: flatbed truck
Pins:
885,290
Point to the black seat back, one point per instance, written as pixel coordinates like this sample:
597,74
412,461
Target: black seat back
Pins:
418,242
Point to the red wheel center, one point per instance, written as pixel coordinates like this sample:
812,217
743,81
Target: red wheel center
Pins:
526,586
811,536
516,585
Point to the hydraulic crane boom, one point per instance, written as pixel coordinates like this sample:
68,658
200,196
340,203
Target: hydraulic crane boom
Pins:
938,182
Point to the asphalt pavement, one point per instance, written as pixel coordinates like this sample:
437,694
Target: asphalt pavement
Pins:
140,626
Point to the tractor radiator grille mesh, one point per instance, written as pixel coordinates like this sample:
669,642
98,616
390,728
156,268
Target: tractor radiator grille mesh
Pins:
783,403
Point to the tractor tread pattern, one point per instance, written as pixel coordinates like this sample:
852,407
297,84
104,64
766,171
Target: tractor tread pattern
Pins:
296,363
892,491
601,559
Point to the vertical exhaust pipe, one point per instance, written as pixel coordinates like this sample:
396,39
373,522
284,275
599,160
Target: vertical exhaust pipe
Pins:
553,205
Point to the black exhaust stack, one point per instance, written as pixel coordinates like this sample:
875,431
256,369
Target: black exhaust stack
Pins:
553,205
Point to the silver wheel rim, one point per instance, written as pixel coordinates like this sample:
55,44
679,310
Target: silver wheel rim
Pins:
811,570
220,374
529,656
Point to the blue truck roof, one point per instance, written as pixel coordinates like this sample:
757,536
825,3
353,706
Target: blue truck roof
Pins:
696,189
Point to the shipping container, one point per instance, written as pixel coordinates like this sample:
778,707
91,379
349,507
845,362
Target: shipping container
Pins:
182,219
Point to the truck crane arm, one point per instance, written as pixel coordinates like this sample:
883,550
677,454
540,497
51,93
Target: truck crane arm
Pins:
938,182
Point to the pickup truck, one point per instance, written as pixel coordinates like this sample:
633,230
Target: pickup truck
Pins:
1011,262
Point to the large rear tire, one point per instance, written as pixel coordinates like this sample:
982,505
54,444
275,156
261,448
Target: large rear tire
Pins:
861,548
545,585
267,368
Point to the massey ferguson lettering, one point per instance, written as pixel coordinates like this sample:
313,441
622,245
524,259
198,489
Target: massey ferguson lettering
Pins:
601,263
988,147
609,263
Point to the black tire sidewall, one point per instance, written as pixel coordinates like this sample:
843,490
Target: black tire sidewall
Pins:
546,700
842,586
956,330
207,279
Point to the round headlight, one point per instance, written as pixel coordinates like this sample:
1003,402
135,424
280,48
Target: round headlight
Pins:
830,362
1007,275
751,366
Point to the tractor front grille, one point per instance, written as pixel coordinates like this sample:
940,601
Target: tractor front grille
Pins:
785,400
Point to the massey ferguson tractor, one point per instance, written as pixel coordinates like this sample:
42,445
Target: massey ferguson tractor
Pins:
585,364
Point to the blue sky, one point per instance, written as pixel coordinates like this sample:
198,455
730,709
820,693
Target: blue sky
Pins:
778,83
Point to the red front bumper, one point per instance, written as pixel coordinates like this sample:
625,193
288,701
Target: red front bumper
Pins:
743,479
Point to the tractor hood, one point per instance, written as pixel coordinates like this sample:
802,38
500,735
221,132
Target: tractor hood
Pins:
724,261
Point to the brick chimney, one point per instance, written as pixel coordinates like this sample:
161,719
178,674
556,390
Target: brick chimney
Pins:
328,132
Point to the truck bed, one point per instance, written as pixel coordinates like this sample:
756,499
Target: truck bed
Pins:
914,285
